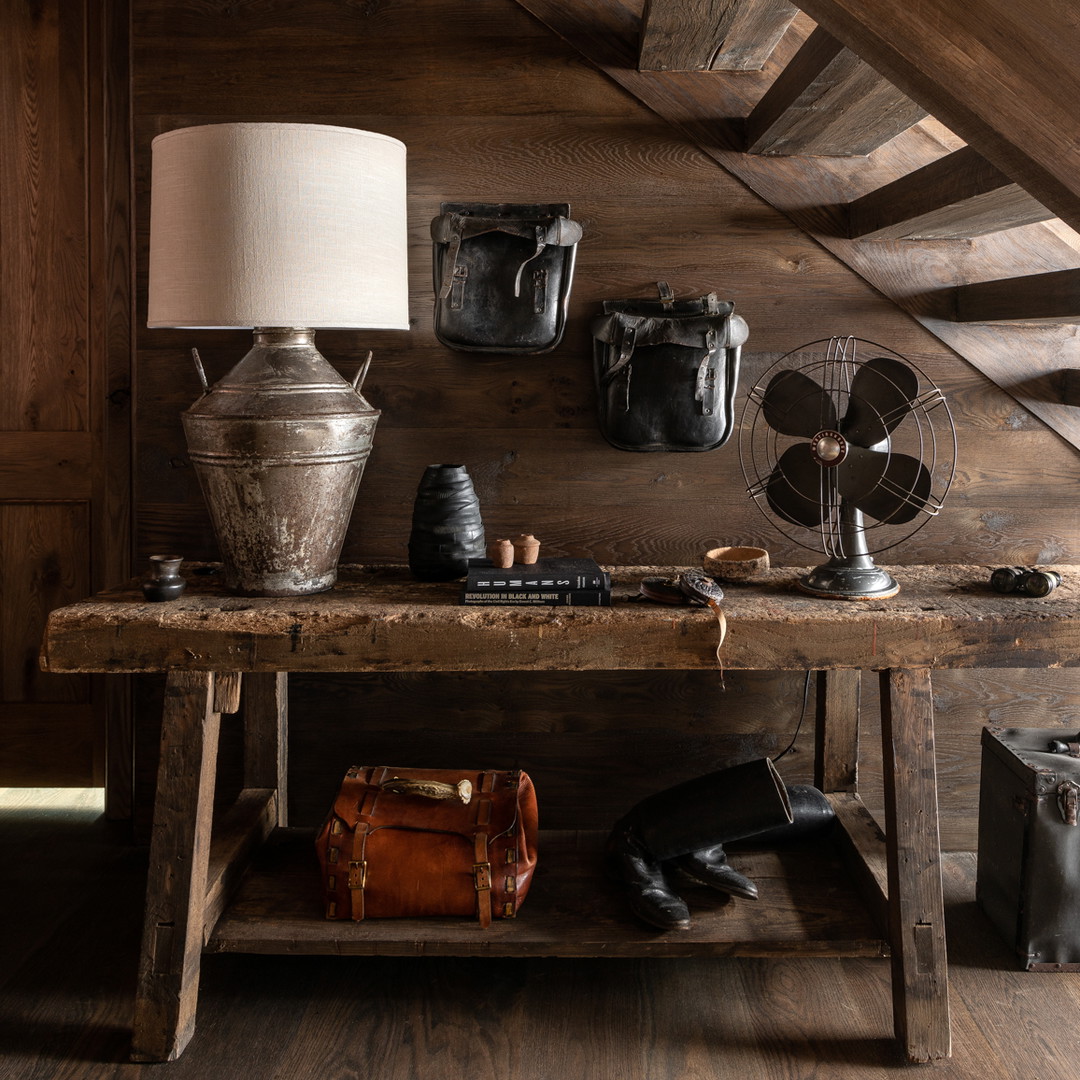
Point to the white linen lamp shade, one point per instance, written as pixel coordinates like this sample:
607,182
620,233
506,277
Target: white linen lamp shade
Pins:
276,224
283,228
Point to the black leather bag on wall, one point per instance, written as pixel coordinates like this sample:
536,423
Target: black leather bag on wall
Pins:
502,275
666,371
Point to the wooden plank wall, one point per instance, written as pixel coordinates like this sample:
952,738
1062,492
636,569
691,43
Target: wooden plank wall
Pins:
64,307
493,107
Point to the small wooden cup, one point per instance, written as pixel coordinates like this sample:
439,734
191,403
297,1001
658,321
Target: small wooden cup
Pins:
735,563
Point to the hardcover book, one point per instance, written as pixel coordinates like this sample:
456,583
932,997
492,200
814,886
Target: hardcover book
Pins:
548,581
544,574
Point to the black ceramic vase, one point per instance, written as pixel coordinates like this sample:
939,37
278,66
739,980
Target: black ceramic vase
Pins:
164,581
446,526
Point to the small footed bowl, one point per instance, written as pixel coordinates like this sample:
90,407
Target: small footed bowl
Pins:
735,563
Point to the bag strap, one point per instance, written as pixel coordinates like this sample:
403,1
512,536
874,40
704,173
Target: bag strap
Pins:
453,227
481,856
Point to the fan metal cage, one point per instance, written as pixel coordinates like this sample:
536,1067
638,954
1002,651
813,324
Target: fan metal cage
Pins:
849,449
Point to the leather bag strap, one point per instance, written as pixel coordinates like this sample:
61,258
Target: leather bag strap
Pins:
481,855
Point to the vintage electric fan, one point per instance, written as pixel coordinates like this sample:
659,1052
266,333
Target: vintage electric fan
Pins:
853,449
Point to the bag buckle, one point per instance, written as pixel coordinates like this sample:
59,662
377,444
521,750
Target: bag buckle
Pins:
357,873
482,876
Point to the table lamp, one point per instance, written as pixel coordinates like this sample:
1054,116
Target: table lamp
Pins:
284,229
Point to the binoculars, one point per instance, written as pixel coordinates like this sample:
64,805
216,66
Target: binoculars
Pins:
1025,580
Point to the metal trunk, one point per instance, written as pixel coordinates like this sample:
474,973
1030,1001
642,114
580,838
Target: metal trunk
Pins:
279,446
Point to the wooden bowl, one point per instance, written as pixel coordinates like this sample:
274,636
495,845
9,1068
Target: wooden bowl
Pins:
735,563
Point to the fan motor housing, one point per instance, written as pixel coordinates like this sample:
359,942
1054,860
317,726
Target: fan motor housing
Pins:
829,448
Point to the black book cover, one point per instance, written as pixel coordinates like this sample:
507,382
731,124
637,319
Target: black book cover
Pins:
545,575
539,598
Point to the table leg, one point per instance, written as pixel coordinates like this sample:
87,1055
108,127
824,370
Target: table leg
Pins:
836,766
266,722
169,963
916,904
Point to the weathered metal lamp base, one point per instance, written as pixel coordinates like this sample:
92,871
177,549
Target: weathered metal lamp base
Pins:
279,445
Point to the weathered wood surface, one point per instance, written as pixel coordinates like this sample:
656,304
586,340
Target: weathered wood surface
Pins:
957,196
1000,73
176,889
711,35
806,907
64,292
837,730
916,904
828,102
379,618
448,1018
1053,297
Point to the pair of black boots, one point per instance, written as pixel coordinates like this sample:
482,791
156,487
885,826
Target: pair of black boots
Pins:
679,835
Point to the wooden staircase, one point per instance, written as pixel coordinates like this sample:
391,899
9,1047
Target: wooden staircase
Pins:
934,151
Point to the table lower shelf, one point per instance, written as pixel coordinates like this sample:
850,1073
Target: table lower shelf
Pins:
808,905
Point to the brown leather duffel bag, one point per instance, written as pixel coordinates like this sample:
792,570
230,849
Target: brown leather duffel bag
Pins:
411,842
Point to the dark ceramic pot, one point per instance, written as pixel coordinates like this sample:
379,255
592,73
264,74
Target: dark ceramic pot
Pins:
164,581
447,529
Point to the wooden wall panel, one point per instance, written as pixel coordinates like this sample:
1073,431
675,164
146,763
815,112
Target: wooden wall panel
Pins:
43,302
65,362
492,107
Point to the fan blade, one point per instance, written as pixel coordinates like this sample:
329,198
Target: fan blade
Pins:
794,488
892,488
881,395
796,405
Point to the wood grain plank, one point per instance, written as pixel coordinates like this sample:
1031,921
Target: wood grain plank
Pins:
170,958
571,910
1053,297
43,564
828,102
916,906
1009,91
43,280
266,736
959,195
711,35
837,731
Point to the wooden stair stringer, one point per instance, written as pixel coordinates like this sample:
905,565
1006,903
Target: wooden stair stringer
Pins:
1026,361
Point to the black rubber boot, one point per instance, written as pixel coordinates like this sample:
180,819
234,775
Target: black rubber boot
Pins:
710,867
648,893
695,816
811,813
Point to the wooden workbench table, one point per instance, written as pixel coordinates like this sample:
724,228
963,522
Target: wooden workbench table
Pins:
246,882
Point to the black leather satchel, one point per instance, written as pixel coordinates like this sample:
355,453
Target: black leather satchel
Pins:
666,371
502,275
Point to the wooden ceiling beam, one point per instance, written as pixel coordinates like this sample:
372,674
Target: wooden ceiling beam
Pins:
829,103
1001,74
711,35
960,195
1053,297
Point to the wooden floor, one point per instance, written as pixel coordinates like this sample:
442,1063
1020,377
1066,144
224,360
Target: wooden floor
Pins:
70,898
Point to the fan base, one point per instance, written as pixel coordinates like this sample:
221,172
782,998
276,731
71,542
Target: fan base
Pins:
837,582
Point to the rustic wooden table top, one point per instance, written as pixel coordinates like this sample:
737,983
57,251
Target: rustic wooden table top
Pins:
378,618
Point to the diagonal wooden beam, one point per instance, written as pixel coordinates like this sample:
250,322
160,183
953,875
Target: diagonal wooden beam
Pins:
711,35
959,195
828,102
1002,74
